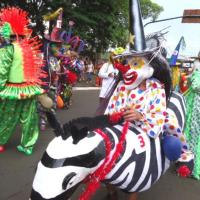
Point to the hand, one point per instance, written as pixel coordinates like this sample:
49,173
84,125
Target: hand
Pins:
131,114
111,75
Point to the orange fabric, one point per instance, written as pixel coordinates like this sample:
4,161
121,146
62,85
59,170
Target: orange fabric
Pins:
60,103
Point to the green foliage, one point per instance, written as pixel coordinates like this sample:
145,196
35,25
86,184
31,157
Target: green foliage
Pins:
150,9
101,23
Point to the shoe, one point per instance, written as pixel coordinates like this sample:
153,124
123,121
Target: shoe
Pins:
2,148
26,150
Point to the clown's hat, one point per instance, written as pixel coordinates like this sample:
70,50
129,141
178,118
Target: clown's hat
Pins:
137,43
55,34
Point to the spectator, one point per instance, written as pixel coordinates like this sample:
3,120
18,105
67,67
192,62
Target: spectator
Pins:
89,71
108,74
98,79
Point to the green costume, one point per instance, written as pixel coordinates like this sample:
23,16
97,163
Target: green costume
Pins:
20,72
18,103
192,128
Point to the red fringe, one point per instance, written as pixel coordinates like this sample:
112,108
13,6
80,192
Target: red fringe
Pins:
20,85
115,117
32,60
17,18
100,174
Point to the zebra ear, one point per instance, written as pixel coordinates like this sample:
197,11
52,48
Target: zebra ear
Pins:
78,131
55,124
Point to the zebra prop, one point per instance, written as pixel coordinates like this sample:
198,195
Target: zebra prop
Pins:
121,154
65,165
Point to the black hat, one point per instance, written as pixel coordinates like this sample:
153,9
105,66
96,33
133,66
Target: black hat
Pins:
137,43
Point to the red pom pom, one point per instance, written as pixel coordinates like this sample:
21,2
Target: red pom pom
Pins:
2,148
71,77
115,117
183,171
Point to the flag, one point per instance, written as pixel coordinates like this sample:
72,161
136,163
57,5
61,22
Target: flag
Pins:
181,44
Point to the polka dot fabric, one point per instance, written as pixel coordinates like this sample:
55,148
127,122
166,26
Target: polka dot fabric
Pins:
171,127
151,103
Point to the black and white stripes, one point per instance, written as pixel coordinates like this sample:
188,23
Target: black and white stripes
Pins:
65,165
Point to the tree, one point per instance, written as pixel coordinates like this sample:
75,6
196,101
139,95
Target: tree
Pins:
101,23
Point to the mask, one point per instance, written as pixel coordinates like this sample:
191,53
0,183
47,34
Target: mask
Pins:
137,70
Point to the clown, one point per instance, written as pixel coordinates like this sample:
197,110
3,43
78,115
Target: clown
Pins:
141,98
20,71
122,147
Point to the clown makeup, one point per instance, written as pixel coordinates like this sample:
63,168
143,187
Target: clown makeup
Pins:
139,70
136,62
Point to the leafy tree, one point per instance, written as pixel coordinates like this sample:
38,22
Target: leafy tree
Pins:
101,23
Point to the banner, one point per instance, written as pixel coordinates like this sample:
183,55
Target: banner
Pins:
175,54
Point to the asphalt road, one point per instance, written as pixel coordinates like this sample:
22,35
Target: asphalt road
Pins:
17,170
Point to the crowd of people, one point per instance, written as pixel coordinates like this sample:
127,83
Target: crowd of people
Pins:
35,75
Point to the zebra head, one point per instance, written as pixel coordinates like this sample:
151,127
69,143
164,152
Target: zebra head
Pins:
65,165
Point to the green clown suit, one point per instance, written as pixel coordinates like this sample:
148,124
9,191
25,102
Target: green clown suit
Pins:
20,73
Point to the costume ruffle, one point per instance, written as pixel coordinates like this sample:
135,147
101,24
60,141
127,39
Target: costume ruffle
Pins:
20,91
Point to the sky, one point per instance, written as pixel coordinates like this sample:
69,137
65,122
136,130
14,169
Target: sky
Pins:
190,31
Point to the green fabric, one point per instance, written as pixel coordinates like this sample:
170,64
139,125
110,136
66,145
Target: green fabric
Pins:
23,112
6,56
20,91
195,81
189,97
192,127
66,94
6,30
16,74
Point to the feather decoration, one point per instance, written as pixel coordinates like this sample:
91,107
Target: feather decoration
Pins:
17,18
32,60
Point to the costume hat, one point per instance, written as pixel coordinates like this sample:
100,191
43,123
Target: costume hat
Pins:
18,20
55,34
137,43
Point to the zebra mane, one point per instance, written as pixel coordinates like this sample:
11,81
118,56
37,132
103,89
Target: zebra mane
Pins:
156,40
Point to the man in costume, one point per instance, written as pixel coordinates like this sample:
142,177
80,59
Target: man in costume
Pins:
192,127
52,67
20,71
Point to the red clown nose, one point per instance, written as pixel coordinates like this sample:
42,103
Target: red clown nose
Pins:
122,68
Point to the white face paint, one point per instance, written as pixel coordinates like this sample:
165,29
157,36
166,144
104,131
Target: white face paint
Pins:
138,72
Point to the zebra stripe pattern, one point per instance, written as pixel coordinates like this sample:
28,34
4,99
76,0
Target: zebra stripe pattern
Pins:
65,165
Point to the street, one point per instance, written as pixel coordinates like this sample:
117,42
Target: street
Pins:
17,170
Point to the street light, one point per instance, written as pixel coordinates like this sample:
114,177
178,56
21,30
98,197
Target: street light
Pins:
189,16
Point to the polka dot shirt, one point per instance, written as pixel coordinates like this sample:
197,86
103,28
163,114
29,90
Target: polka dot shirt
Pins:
151,103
